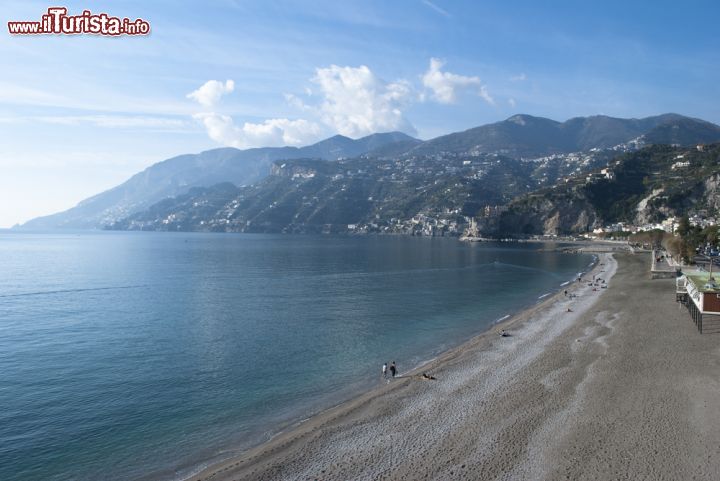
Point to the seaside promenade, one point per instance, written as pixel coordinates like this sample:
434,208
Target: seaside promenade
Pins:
606,384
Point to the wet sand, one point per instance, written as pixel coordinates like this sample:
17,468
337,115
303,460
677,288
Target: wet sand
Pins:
621,387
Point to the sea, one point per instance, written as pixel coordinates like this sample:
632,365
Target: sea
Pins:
142,355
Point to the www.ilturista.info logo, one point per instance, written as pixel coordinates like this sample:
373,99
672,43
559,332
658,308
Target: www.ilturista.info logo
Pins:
57,21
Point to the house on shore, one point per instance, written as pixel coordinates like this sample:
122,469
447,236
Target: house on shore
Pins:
699,292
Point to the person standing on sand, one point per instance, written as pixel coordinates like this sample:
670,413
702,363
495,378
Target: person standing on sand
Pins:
384,370
393,369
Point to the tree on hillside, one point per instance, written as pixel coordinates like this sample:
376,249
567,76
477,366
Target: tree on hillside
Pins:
711,235
683,227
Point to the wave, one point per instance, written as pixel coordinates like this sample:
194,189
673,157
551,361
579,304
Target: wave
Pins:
66,291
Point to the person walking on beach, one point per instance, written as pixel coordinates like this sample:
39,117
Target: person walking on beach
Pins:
393,369
384,370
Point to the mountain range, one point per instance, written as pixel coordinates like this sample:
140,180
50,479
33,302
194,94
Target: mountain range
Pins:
403,177
525,136
176,176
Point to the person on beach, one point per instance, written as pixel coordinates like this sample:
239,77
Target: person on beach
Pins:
384,370
427,377
393,369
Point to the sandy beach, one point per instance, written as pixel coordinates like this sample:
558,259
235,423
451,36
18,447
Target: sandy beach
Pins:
609,383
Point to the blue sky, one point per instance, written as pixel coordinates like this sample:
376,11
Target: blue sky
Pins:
80,114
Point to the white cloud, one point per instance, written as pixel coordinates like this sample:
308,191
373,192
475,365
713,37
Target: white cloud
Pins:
355,102
107,121
439,10
511,102
113,121
211,91
297,103
270,133
445,86
351,101
19,94
518,78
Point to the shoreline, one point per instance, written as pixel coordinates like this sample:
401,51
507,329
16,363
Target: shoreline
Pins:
511,322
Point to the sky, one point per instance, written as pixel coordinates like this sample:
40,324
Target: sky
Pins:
82,113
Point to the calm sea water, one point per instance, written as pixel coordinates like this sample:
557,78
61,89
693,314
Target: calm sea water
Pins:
125,355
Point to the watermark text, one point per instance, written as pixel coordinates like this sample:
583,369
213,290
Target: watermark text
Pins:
57,22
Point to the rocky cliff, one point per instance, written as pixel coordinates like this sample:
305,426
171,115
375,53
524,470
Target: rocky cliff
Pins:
548,213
